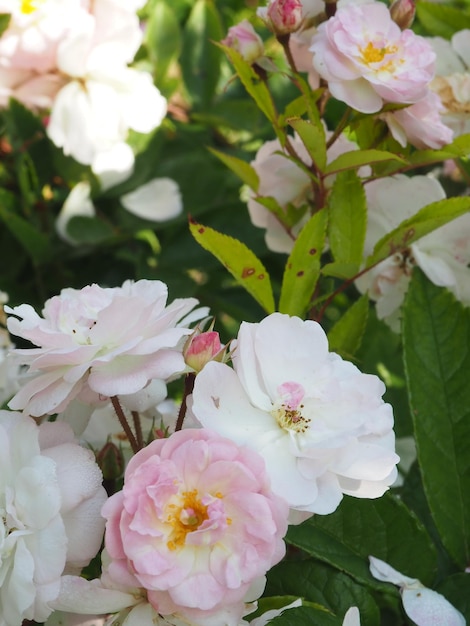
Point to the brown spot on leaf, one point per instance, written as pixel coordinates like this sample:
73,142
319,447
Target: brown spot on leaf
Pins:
409,234
312,251
260,276
248,271
301,273
201,230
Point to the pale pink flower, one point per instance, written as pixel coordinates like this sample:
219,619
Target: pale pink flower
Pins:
443,254
288,184
196,525
98,342
36,28
452,81
424,606
319,423
282,16
50,502
35,91
299,45
367,60
243,38
420,124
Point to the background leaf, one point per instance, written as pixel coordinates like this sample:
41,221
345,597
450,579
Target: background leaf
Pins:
436,336
346,335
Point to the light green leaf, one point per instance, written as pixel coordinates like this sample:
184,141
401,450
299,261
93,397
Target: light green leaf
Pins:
440,20
303,267
356,158
346,335
313,138
242,169
253,83
162,37
384,528
425,221
339,270
239,260
200,58
347,219
436,335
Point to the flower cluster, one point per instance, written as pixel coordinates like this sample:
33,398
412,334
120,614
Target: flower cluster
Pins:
72,56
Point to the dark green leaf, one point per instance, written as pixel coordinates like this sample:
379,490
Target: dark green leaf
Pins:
200,58
384,528
436,334
303,267
35,244
457,590
4,22
240,261
88,230
306,616
162,37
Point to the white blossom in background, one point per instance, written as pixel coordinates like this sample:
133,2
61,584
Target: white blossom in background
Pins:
452,81
288,184
99,342
50,502
443,255
319,423
424,606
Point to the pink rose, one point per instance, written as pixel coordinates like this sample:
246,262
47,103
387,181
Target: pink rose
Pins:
95,343
420,124
367,60
196,525
202,348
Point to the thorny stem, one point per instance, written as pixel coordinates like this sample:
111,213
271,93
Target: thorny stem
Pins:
125,424
138,429
188,389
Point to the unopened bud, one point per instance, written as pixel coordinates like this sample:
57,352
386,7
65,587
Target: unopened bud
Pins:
244,39
403,13
282,16
111,461
202,348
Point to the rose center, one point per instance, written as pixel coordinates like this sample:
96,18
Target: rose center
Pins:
30,6
371,54
185,517
288,410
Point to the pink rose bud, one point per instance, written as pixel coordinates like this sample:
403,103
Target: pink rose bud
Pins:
283,16
243,38
202,348
403,13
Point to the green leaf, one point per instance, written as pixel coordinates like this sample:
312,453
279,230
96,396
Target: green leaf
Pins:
356,158
89,230
436,335
162,37
426,220
313,138
346,335
242,169
35,243
4,22
323,585
253,83
384,528
440,20
200,58
339,270
347,219
239,260
303,267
